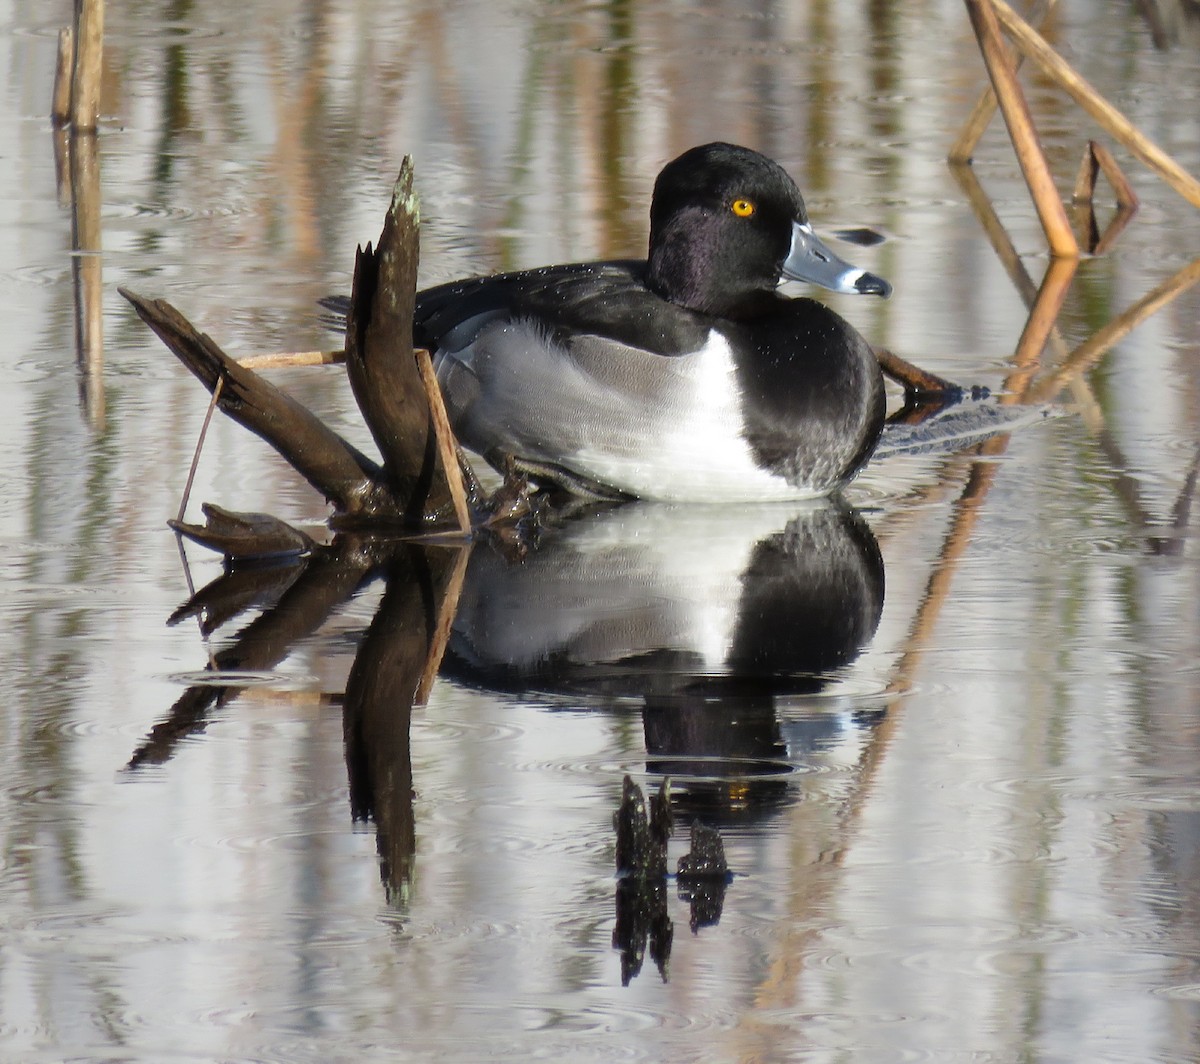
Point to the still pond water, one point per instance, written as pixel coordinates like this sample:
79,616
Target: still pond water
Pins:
966,826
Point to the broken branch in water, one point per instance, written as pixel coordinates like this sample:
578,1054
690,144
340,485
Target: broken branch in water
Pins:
345,476
419,485
914,380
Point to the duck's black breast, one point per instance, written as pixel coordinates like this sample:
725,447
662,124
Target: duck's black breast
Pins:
813,402
604,299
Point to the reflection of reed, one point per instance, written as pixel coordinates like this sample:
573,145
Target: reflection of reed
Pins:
1087,354
985,107
86,271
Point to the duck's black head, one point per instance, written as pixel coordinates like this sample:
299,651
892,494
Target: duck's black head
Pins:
727,224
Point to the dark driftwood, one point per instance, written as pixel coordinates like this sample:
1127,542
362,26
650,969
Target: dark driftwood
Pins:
242,535
342,473
412,488
915,381
382,371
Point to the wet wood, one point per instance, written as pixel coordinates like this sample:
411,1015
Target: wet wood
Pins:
245,535
1051,212
913,379
383,374
419,485
1034,46
345,476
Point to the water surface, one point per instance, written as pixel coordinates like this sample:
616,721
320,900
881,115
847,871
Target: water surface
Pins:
948,732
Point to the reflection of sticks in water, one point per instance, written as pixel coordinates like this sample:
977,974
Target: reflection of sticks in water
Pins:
1039,326
86,268
818,879
997,235
60,110
1097,158
1046,303
1091,351
1009,257
440,636
76,102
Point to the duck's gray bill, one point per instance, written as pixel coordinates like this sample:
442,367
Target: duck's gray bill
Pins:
810,260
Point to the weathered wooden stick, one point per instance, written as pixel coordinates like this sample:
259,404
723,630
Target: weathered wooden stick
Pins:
913,379
289,359
60,109
1051,212
345,476
1034,46
245,535
384,377
447,444
968,138
89,60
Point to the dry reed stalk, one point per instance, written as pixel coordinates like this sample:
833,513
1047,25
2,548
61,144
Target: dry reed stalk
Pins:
1051,212
968,138
1034,47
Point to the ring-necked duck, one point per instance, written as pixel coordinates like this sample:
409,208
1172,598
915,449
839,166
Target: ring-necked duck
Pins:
682,377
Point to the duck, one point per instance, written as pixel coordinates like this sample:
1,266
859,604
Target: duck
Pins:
684,377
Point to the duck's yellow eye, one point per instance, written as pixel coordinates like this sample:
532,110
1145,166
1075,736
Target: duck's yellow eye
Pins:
743,208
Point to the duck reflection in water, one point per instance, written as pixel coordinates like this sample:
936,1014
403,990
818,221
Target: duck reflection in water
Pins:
702,617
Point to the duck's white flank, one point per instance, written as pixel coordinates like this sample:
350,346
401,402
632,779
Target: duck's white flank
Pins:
654,426
691,448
